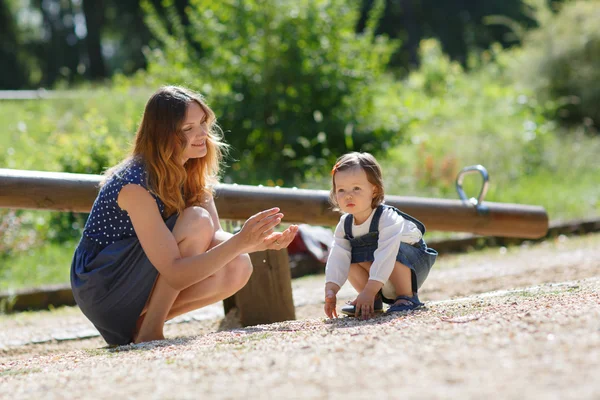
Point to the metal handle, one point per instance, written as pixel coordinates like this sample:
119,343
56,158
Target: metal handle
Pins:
476,202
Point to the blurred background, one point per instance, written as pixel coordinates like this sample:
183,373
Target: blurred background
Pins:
428,86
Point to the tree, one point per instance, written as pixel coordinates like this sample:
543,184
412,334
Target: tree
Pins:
293,81
460,25
12,72
94,20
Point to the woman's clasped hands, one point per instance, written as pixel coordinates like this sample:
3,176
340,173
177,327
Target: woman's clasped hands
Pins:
258,233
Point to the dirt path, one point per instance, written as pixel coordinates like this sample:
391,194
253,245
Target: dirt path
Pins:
517,323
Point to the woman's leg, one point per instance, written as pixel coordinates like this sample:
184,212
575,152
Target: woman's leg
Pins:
222,284
194,232
217,287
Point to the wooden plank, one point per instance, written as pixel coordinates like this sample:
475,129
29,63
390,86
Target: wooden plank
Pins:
39,298
267,297
76,192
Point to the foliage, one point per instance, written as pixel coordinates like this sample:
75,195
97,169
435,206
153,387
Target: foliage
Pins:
480,117
90,153
17,233
42,264
561,59
291,81
460,27
53,42
459,118
84,134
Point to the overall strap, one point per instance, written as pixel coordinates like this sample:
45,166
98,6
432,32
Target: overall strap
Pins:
418,223
348,225
375,221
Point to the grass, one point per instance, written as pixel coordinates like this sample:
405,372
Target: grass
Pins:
45,265
38,133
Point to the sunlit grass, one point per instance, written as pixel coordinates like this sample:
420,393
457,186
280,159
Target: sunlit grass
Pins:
37,266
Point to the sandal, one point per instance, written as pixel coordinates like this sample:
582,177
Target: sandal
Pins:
409,303
350,310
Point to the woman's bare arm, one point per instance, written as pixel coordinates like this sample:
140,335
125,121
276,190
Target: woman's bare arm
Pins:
160,245
275,240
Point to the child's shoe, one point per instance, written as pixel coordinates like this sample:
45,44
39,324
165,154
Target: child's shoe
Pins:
350,309
410,303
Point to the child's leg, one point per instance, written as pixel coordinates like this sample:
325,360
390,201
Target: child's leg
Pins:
359,275
401,278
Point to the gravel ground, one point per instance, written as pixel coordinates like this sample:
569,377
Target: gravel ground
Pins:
521,322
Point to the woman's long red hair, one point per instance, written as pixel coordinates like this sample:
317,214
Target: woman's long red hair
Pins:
159,144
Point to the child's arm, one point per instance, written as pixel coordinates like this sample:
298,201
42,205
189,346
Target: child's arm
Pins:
331,290
337,268
338,262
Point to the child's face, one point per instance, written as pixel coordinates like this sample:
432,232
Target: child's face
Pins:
195,129
354,193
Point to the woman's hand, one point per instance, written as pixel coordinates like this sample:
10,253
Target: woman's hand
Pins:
257,232
280,240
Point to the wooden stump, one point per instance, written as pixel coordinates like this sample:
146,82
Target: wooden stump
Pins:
267,297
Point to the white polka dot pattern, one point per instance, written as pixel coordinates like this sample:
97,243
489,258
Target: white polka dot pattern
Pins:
107,222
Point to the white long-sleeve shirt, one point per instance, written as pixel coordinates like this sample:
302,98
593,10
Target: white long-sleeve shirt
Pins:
393,229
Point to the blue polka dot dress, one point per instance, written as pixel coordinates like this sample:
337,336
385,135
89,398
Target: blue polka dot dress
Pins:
111,276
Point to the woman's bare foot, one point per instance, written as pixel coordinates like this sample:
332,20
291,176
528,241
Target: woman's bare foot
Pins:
144,333
148,337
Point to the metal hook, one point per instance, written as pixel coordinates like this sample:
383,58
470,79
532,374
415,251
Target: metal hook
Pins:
477,203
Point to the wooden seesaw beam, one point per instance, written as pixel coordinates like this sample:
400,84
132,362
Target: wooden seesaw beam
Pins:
76,192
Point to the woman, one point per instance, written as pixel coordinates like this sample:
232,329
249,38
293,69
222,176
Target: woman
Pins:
153,247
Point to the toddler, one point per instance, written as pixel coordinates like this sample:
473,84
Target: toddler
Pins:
377,247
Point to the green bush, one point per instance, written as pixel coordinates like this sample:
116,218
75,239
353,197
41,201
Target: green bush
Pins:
90,152
560,60
459,118
84,134
17,233
290,81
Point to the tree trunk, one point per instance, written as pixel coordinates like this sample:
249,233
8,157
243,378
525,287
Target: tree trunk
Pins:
94,20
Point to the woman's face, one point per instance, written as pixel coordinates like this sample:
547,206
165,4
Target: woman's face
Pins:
195,129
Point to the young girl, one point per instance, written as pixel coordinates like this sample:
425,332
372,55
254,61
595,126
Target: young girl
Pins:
377,247
153,247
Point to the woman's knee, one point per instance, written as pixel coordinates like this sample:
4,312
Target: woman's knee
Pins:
194,222
239,271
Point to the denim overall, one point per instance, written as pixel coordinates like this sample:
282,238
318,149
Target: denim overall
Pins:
418,257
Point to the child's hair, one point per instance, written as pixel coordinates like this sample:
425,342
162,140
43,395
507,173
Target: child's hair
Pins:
160,142
369,164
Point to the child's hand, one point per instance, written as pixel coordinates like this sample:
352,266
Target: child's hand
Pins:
364,305
330,303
